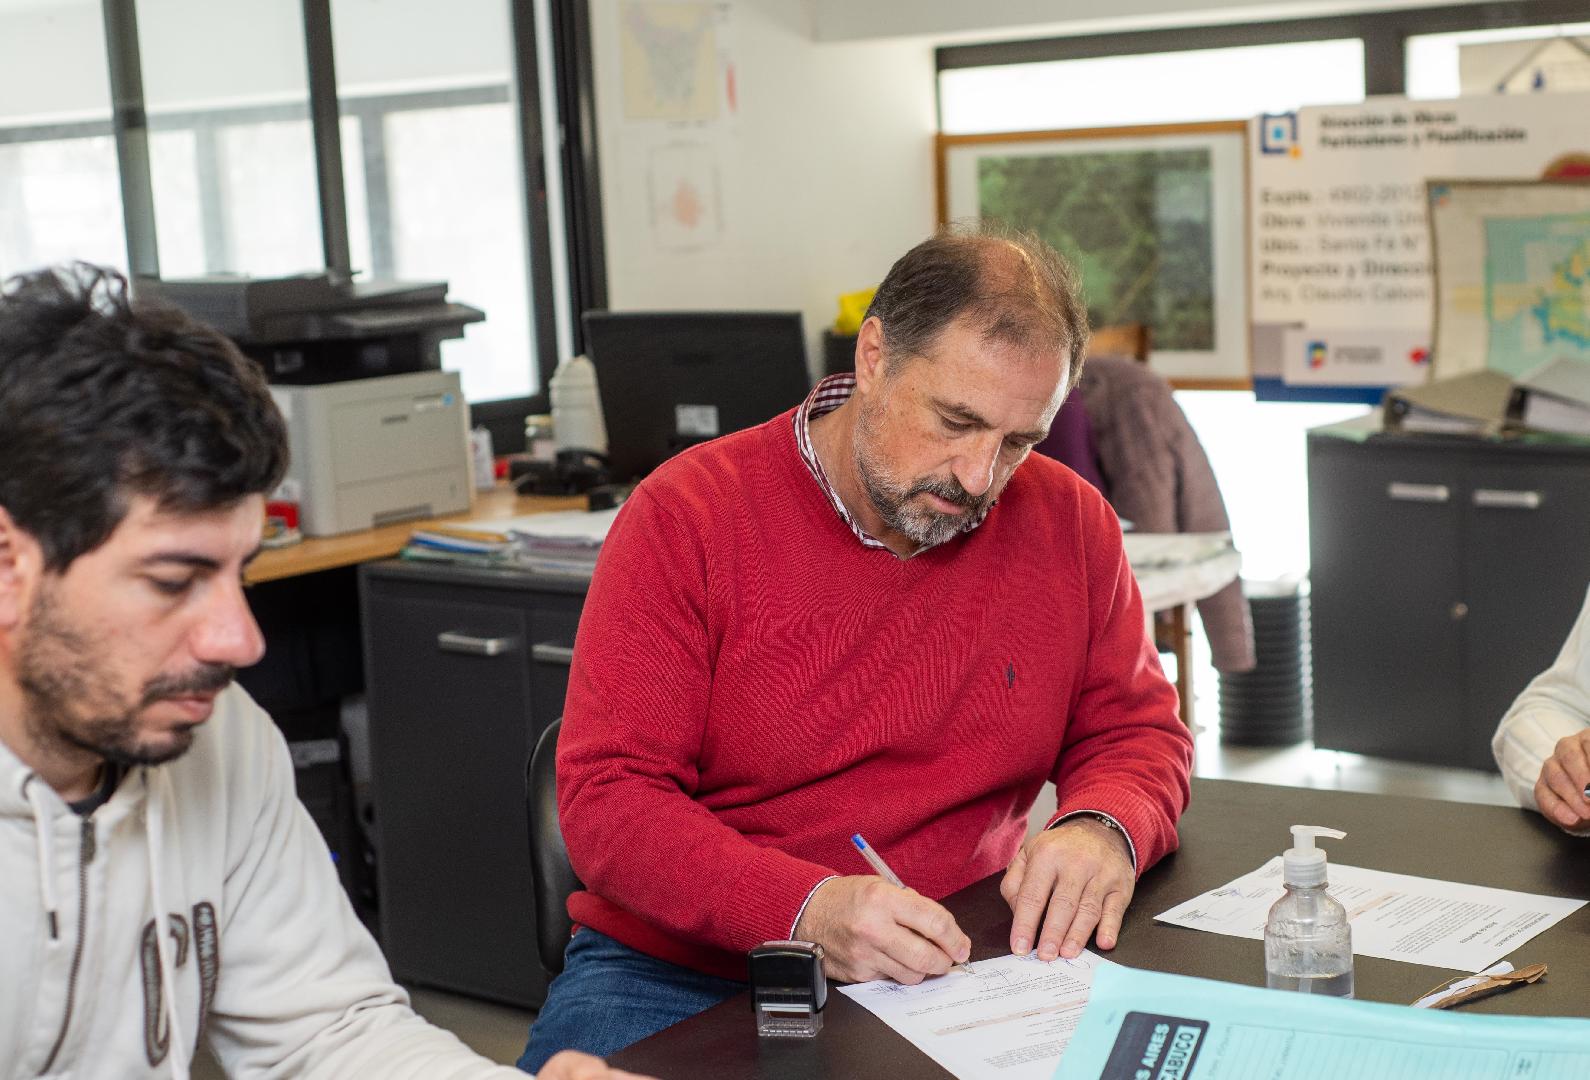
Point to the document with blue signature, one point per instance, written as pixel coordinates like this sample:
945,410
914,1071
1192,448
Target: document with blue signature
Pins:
1143,1025
1006,1018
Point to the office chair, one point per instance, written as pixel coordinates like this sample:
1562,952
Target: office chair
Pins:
552,877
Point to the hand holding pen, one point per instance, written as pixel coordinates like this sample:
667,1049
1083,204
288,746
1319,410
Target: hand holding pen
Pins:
875,928
876,862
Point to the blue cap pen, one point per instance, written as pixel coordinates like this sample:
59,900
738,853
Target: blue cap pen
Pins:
875,861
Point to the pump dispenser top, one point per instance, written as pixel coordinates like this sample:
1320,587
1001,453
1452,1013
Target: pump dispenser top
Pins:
1304,864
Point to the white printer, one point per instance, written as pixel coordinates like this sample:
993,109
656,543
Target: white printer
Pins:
369,452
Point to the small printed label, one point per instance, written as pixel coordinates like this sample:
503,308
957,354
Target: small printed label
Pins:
1154,1047
699,420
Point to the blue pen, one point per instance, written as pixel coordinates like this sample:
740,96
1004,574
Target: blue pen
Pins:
875,861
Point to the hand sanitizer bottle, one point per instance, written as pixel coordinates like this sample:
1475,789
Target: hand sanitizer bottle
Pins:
1308,943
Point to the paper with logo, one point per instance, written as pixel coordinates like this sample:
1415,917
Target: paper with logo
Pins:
1143,1025
1394,916
1008,1018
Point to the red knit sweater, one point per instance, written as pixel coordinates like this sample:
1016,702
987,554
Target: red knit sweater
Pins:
751,685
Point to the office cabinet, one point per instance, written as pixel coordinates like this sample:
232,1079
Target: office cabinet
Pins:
464,669
1445,574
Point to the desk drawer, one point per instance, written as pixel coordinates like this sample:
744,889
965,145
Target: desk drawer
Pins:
450,731
554,621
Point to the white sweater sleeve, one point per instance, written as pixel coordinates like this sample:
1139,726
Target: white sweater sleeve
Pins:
303,990
1554,705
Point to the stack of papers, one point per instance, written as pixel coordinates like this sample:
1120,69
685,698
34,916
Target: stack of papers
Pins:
566,542
1018,1018
561,542
444,544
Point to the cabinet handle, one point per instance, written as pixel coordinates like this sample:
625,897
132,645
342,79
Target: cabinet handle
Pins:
1460,611
1425,493
456,641
547,653
1503,499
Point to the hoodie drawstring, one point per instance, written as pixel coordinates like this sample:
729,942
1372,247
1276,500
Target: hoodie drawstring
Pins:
158,787
41,828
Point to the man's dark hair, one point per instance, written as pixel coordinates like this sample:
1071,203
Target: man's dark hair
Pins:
1015,288
102,398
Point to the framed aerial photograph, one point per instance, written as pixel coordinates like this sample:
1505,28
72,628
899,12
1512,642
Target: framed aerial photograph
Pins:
1154,219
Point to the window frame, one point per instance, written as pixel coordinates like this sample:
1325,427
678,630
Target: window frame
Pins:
1384,35
567,24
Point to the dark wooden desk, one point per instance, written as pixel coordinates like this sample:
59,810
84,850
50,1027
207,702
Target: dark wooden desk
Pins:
1231,828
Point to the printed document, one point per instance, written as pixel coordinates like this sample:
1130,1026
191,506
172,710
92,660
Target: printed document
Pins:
1143,1025
1009,1018
1394,916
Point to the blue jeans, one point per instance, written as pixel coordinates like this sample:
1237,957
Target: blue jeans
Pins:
610,995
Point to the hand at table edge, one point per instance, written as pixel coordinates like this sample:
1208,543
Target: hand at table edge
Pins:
1065,883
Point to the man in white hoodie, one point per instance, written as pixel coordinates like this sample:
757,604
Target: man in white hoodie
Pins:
160,883
1542,745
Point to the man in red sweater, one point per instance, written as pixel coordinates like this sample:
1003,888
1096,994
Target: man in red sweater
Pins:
874,614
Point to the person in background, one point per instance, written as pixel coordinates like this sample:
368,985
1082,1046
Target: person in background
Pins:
160,882
875,613
1542,745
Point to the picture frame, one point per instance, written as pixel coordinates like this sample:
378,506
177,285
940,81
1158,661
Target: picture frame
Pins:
1154,218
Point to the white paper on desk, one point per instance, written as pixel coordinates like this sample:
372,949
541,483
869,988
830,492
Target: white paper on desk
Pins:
1419,920
576,526
1011,1018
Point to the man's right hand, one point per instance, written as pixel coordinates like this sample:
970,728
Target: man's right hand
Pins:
1560,790
871,930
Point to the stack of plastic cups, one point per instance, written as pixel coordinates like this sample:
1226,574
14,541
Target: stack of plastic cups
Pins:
1272,705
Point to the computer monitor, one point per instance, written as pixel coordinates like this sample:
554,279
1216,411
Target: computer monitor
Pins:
671,379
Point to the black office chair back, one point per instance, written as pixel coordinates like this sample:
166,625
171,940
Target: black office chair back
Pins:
551,874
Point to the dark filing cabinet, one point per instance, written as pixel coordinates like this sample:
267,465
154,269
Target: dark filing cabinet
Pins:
465,668
1446,574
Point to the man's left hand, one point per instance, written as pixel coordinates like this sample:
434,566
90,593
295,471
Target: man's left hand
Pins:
1070,879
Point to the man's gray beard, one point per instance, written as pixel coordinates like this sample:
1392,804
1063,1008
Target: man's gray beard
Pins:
923,527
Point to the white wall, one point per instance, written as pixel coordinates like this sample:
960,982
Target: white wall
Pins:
824,176
40,43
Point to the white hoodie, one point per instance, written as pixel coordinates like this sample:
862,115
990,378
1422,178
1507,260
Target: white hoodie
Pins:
261,956
1555,705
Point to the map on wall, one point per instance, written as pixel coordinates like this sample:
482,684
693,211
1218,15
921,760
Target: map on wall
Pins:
1137,224
670,60
1537,284
1512,274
